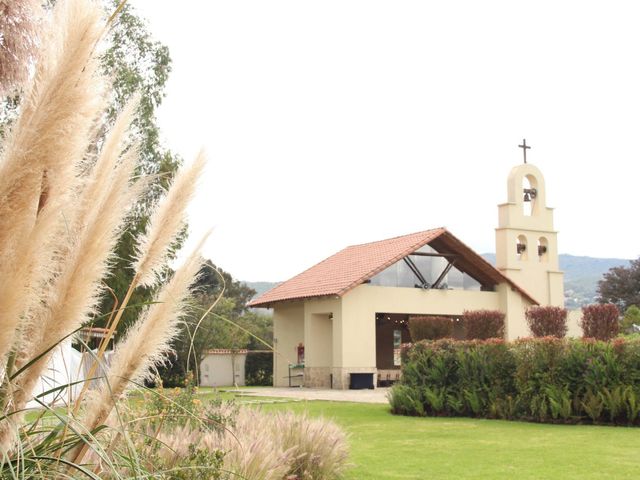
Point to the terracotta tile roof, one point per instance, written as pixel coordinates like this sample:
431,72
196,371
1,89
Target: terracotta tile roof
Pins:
352,266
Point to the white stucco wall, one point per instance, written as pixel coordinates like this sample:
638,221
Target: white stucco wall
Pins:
288,332
217,370
573,319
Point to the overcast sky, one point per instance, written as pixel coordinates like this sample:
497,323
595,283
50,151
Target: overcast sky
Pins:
331,123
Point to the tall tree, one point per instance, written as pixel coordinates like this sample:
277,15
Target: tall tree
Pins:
621,286
140,65
213,280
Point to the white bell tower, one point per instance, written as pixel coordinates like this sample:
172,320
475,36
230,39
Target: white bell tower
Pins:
526,243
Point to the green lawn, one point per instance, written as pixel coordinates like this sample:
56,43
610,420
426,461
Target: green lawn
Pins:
384,446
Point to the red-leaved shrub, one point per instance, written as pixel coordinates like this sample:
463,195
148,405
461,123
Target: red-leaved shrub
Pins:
430,328
600,321
483,324
547,321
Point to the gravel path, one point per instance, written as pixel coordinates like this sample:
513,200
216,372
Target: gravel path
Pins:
379,395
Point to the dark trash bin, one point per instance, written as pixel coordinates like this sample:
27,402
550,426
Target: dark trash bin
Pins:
361,381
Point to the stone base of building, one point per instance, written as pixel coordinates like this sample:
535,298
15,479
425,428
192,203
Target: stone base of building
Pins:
336,378
317,377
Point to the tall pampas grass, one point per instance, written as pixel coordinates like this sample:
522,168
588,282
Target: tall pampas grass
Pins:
71,296
165,224
39,156
81,255
54,241
146,342
153,247
57,116
63,207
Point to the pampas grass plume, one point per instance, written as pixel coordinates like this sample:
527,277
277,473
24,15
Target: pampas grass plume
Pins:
57,117
74,293
47,141
146,342
18,40
165,223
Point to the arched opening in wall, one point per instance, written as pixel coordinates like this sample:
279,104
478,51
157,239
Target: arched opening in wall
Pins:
521,247
529,194
543,249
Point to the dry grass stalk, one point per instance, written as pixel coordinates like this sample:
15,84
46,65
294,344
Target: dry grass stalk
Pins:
61,216
320,447
162,230
69,296
74,292
51,134
258,445
253,448
165,223
144,345
19,21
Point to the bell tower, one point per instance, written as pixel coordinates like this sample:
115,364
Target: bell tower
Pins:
526,243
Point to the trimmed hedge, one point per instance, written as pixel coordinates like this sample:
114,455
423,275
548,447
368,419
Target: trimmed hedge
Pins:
483,324
430,328
546,321
542,379
600,321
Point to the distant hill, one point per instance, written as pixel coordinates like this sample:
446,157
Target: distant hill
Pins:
581,276
261,287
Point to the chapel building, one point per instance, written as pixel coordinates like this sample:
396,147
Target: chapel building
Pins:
343,321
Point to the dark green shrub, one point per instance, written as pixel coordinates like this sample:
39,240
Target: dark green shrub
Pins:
259,369
538,379
600,321
631,317
405,400
483,324
546,321
538,366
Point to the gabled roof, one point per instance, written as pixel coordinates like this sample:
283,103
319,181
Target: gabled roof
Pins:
356,264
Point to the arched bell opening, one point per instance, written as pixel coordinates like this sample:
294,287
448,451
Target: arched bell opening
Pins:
521,248
543,249
529,195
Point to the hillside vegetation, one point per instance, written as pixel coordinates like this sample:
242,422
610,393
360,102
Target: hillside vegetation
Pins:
581,276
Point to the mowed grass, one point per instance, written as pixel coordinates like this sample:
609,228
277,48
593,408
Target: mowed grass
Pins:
385,446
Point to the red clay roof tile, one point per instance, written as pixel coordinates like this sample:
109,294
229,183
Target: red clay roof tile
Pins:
352,266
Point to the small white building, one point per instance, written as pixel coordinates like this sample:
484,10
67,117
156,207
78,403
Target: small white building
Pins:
223,368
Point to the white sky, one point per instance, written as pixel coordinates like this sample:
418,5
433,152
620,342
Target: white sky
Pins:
331,123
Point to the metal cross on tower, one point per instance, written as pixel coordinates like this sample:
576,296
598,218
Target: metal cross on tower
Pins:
524,148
